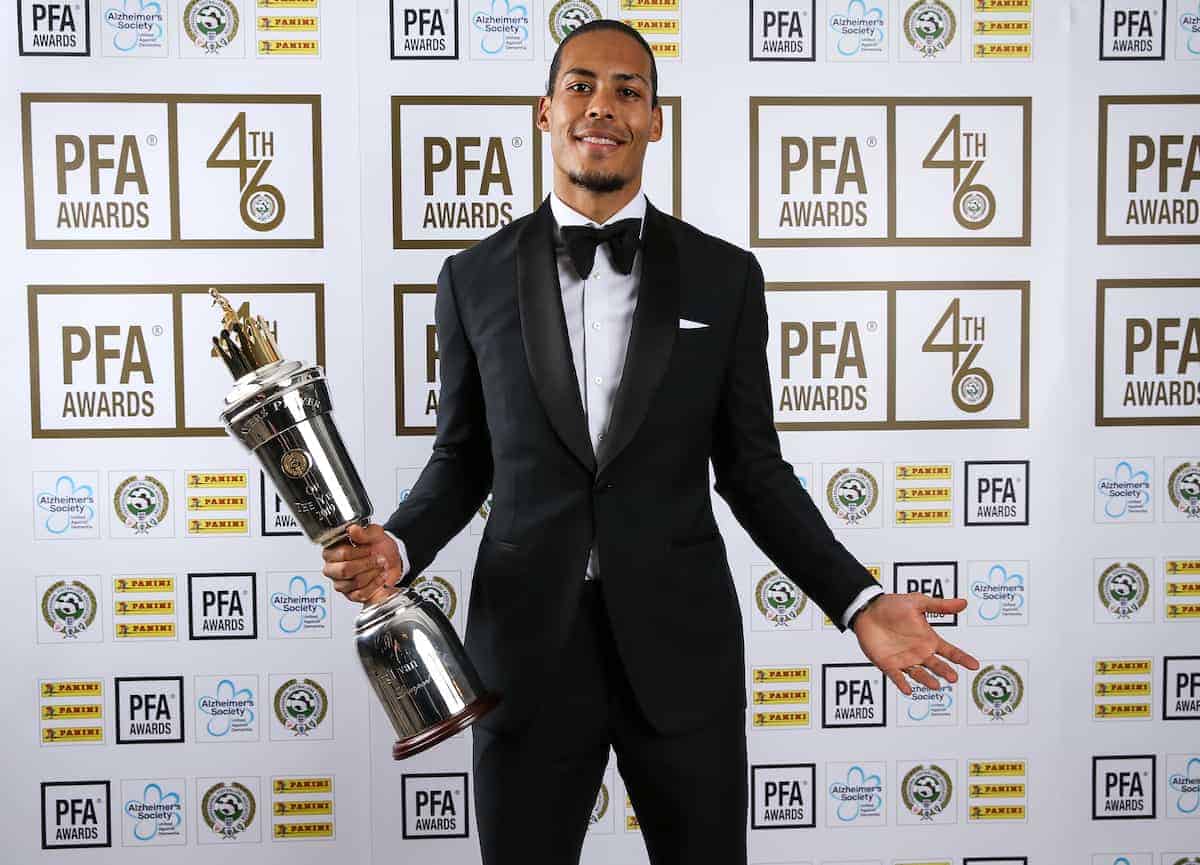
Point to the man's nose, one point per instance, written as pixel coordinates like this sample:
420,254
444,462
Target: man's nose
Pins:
600,106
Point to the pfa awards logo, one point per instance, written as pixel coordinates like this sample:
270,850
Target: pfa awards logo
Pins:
996,493
1124,787
783,30
782,796
153,812
856,795
435,805
1133,29
1148,352
76,814
998,694
1181,688
149,709
926,793
68,608
424,31
462,167
228,808
136,171
853,695
899,355
141,505
930,29
54,29
65,505
1122,590
1149,161
873,171
936,579
1183,490
227,708
301,707
418,360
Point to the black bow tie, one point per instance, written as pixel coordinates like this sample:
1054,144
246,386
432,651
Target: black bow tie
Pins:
622,238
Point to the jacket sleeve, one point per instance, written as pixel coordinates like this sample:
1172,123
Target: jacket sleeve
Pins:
458,476
760,486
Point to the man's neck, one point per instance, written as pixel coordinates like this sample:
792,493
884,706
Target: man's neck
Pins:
596,206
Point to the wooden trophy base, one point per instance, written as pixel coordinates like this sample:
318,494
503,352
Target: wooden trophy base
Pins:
456,723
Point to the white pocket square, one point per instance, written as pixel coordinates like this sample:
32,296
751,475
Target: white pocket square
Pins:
688,323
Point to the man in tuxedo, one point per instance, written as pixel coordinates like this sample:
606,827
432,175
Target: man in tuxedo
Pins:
596,356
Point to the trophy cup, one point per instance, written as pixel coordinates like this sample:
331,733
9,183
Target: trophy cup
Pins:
281,411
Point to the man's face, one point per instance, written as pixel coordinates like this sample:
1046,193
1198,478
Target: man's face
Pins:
599,116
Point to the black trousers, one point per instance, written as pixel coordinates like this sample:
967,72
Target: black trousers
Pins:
534,791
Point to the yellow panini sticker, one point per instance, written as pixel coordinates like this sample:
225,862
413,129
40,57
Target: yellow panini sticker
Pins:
1003,50
146,585
649,5
782,674
71,710
211,526
942,472
997,812
1183,590
1123,668
1183,566
781,719
134,630
1183,611
997,791
71,689
1122,710
310,806
984,27
668,50
216,503
288,46
303,785
798,695
1123,689
654,26
288,4
216,480
1004,6
288,22
304,830
993,768
923,494
145,608
73,734
923,516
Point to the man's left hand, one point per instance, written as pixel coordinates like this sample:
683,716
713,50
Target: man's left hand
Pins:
896,637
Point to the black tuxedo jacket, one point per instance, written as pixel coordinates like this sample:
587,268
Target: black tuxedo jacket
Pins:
510,420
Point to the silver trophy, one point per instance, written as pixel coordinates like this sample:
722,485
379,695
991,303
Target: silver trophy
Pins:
281,411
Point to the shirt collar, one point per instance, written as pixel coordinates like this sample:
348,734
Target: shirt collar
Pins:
564,214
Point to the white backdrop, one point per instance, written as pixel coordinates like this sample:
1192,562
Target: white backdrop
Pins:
369,160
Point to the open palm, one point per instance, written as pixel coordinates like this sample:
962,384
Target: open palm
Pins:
896,637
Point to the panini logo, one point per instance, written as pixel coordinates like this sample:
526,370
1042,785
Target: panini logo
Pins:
1147,352
889,171
126,585
137,171
137,360
293,809
63,709
843,355
782,674
1149,164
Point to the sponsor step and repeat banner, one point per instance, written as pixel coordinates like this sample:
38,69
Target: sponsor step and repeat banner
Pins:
979,222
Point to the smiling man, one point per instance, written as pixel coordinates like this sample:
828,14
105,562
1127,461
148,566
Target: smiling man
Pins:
596,357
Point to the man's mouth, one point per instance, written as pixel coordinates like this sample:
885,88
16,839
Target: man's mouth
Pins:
598,141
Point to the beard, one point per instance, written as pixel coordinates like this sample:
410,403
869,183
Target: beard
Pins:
598,181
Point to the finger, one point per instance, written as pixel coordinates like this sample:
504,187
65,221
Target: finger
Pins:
953,653
365,535
362,566
900,682
923,676
362,582
345,553
944,605
940,668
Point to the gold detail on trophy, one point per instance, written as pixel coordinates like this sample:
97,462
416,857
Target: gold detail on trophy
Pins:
245,343
295,463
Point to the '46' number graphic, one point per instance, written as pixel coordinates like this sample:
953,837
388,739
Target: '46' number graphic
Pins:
974,203
262,205
971,388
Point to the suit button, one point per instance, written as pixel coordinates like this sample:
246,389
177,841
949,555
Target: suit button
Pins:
604,487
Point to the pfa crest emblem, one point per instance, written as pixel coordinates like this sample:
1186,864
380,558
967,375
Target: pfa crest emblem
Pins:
929,26
69,608
779,599
998,691
600,808
852,494
439,591
1124,589
228,808
211,24
567,15
1183,488
926,791
301,705
141,503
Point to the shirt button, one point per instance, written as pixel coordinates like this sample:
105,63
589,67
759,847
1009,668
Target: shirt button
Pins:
595,325
598,380
601,436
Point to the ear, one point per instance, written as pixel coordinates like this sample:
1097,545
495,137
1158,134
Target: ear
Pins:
543,113
656,123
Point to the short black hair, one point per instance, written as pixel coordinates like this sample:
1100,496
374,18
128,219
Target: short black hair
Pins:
593,27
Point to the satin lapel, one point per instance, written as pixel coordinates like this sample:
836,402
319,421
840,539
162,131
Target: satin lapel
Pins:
544,331
651,339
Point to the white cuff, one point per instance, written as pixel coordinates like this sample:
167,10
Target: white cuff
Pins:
403,552
859,602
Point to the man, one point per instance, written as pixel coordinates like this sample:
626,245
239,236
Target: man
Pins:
588,378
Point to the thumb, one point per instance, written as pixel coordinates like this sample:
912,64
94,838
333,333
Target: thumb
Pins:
944,605
358,534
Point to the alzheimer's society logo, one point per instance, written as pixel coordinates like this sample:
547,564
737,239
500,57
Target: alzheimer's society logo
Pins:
1002,592
229,710
65,506
299,607
156,814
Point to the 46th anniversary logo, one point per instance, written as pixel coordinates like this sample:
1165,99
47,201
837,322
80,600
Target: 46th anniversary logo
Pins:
137,171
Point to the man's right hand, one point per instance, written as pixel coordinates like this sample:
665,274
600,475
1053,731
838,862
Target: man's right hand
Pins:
366,563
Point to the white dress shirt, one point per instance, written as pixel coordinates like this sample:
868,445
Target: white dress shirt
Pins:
599,317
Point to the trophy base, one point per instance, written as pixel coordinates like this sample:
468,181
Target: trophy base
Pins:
405,748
